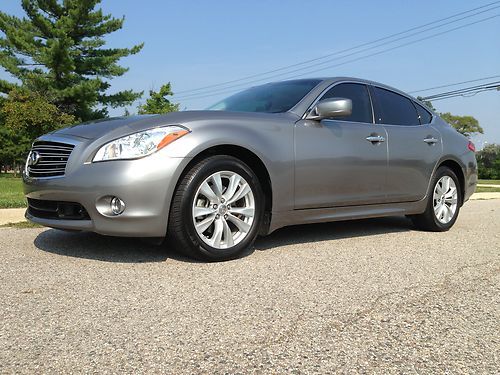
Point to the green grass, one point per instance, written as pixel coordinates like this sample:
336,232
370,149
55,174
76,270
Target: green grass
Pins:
11,191
21,225
489,182
487,189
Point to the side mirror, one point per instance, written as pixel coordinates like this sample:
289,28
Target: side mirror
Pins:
330,108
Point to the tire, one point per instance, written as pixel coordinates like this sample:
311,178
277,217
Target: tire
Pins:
440,216
205,222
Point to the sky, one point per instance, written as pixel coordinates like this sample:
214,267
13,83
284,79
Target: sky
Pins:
194,44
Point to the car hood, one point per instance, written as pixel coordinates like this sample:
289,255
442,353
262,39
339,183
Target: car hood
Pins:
121,126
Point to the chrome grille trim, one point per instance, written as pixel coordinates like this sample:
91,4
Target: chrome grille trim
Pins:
53,157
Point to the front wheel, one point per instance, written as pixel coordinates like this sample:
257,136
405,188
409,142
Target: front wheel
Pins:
443,204
216,210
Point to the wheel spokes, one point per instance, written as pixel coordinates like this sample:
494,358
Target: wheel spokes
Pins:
451,200
203,211
245,211
445,199
228,235
217,186
203,225
242,191
223,209
218,231
447,214
207,191
244,227
234,182
446,184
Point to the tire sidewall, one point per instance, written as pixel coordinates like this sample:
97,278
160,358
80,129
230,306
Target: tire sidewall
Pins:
217,164
441,172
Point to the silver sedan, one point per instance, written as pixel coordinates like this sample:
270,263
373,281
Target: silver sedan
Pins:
284,153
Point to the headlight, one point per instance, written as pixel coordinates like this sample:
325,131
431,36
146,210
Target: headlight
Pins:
140,144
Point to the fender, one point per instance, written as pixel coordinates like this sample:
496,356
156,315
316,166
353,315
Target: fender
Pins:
272,144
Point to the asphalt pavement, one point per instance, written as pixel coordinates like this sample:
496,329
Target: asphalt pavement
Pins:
369,296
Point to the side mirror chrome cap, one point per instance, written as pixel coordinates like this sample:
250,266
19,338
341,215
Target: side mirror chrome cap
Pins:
330,108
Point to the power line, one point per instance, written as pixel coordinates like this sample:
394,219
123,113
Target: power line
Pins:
472,90
465,95
462,90
348,49
228,90
339,57
453,84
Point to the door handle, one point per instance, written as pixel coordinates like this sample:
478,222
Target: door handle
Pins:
375,138
430,140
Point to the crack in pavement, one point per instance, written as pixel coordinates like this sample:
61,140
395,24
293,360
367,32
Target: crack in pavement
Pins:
341,325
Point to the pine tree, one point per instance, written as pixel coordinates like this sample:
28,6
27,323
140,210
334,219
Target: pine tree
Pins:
157,103
57,51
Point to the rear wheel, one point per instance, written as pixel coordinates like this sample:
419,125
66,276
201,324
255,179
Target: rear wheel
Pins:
217,209
443,204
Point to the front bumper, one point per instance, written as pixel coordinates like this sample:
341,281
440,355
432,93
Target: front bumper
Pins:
145,185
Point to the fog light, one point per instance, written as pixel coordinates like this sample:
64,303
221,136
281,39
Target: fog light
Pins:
117,206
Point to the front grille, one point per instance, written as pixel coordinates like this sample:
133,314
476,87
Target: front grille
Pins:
51,159
57,210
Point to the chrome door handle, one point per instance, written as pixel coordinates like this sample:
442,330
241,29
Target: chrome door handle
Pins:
375,138
430,140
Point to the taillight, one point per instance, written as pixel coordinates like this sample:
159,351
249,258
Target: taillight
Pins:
471,146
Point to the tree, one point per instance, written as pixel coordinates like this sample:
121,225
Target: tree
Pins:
12,144
14,147
427,103
58,52
488,162
466,125
24,116
32,115
157,102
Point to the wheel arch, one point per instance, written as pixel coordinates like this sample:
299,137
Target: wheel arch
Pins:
457,169
253,161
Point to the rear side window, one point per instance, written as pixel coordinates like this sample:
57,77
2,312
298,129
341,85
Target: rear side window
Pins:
395,109
361,105
423,114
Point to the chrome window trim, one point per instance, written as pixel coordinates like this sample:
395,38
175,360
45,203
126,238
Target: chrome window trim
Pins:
415,102
412,100
331,86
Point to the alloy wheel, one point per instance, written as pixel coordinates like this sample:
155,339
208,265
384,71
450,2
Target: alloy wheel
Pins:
223,209
445,199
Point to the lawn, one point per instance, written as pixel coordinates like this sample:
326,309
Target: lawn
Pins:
489,182
11,191
487,189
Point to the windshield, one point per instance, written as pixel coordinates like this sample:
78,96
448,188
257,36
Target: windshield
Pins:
270,98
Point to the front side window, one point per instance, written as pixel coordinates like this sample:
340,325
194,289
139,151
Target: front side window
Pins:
270,98
395,109
361,104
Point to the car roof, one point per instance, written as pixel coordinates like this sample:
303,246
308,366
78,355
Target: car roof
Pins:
330,80
325,82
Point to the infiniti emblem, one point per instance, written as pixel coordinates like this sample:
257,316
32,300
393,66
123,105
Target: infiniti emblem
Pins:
33,158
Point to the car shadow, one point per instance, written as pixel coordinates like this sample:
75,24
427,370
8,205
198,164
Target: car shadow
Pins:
134,250
104,248
299,234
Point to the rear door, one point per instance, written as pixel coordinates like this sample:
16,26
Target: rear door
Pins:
342,161
414,145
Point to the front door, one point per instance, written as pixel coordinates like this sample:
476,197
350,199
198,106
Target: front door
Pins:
341,162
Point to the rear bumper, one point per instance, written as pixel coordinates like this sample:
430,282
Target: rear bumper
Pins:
470,174
145,185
